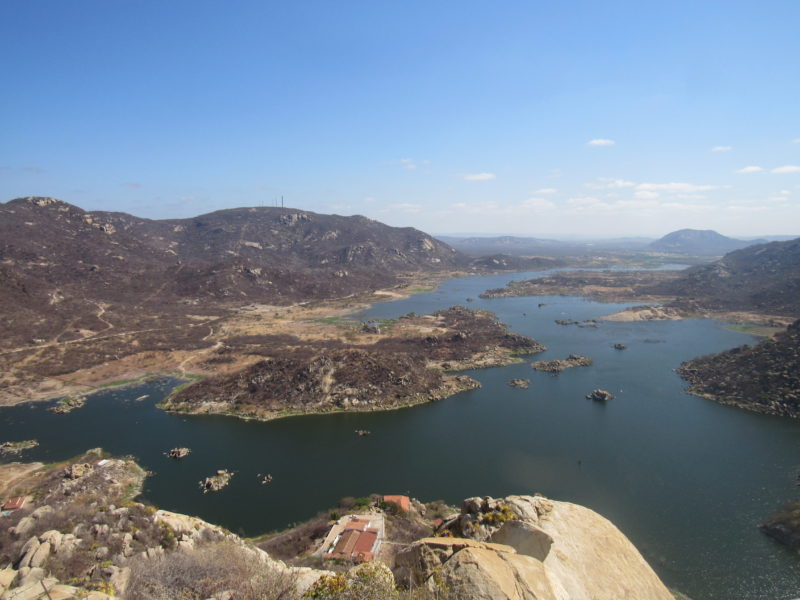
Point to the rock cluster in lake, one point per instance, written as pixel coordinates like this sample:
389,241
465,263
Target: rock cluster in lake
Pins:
216,482
520,383
556,366
600,396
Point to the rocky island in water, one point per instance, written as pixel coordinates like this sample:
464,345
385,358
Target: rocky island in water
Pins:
408,363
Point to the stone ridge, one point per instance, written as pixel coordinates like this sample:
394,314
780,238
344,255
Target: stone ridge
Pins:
534,548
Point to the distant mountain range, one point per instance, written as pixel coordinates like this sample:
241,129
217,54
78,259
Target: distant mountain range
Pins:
685,242
529,246
699,242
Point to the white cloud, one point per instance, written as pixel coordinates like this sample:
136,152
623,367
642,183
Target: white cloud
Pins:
370,200
609,183
408,163
722,148
751,169
796,141
787,169
646,194
600,142
546,191
674,187
407,207
538,204
479,176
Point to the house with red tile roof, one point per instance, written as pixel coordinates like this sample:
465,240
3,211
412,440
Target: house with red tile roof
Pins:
404,502
354,537
14,503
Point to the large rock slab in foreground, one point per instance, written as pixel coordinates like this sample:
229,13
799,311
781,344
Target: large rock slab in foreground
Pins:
547,550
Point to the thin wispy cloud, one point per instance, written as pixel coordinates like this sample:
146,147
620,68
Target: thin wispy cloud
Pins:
408,163
610,183
787,169
675,187
751,169
600,142
479,176
407,207
132,185
546,191
722,148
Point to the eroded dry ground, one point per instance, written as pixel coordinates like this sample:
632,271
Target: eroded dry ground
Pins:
195,344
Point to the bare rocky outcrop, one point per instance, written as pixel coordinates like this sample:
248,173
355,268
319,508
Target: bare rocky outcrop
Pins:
177,453
216,482
520,383
556,366
86,530
539,550
600,396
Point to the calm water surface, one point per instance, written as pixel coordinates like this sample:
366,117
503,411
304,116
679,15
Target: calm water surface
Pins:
687,480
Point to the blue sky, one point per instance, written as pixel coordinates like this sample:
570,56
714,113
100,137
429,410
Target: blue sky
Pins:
531,118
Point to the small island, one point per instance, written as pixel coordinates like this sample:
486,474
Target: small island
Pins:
600,396
216,482
68,404
556,366
17,447
177,453
520,383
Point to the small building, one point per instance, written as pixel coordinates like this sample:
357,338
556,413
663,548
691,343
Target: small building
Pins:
14,503
404,502
358,539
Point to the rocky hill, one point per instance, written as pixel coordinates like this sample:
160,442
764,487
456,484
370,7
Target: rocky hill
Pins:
697,242
764,378
763,278
82,290
59,264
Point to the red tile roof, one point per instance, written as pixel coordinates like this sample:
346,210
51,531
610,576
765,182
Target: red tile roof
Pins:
14,503
357,524
366,541
402,501
344,547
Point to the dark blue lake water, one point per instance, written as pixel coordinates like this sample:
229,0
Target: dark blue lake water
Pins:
687,480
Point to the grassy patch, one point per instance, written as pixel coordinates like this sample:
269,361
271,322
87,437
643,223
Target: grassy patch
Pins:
420,290
754,329
338,321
